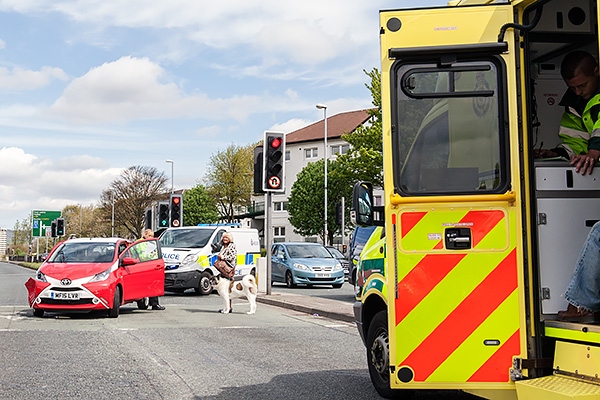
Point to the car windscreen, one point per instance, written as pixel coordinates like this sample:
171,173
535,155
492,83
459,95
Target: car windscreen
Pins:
92,252
308,251
186,238
335,252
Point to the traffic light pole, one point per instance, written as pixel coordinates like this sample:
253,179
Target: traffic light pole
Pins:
268,238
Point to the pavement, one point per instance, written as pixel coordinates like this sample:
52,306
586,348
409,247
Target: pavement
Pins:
334,309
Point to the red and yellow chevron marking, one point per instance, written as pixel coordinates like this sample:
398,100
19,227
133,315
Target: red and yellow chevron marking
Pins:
457,312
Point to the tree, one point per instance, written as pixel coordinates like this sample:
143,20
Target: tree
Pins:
132,193
307,199
199,207
82,221
229,176
364,161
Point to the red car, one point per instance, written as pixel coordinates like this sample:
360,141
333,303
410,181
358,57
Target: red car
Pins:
97,274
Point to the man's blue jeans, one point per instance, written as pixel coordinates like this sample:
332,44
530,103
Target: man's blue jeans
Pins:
584,288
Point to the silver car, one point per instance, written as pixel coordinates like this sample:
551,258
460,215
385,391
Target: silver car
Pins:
305,263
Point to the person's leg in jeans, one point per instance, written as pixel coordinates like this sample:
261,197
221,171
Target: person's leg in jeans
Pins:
583,292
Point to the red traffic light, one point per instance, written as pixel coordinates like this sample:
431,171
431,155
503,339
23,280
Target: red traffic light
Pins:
176,200
276,142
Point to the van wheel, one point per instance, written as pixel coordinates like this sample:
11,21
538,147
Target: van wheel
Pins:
253,272
114,311
204,286
378,358
289,280
143,303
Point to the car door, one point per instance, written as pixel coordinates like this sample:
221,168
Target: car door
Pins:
146,276
277,266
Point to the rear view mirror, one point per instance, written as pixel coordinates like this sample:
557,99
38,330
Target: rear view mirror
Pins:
361,213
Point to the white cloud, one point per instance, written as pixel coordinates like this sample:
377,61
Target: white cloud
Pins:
32,183
17,79
2,44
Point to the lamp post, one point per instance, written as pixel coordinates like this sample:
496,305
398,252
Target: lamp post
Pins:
325,158
172,163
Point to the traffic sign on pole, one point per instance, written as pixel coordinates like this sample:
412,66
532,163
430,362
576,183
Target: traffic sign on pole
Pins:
42,221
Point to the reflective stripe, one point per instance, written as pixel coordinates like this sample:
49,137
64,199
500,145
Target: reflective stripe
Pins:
457,312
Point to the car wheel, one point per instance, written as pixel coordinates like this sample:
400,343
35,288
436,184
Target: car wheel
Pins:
289,280
38,313
337,285
114,311
143,303
204,286
378,357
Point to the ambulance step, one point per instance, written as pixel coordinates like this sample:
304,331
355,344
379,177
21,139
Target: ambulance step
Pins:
555,387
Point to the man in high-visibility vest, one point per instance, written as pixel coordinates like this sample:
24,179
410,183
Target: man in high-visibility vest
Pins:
153,301
580,123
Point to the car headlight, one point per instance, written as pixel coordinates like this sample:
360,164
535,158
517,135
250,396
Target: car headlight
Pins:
301,266
102,276
40,276
189,259
337,267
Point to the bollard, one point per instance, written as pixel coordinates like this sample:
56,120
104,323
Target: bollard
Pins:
261,274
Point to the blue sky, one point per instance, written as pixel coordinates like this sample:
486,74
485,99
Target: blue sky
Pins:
90,87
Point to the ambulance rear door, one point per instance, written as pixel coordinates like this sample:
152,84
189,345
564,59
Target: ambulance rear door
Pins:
452,197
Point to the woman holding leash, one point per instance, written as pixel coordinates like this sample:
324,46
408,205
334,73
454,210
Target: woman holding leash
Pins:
228,253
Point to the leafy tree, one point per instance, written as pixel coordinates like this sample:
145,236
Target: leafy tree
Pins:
199,207
307,199
132,193
364,161
22,237
230,178
82,221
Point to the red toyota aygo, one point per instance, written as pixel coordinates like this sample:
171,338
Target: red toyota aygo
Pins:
97,274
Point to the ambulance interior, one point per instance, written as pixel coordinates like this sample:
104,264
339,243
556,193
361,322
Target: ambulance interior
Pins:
567,204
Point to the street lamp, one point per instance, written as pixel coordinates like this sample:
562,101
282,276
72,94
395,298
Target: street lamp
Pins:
325,158
172,163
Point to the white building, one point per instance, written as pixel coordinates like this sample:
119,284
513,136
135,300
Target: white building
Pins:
3,243
302,147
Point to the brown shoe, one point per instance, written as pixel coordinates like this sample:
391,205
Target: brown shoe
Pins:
577,314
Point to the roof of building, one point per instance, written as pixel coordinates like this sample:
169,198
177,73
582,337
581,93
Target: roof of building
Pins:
337,125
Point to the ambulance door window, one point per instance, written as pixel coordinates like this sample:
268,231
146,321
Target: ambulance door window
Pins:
450,137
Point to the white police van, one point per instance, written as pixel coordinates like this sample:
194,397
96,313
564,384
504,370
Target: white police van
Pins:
190,252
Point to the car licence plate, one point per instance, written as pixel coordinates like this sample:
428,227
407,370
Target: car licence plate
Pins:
323,275
64,295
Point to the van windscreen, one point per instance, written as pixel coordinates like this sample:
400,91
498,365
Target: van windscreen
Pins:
186,238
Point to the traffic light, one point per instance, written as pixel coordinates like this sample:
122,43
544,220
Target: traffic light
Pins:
273,161
163,214
148,218
53,228
176,211
258,169
339,213
60,227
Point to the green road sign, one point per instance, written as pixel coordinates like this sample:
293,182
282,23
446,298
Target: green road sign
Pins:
42,220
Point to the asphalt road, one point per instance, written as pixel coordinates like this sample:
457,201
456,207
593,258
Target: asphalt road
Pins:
188,351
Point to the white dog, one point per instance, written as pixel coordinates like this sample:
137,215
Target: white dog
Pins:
230,290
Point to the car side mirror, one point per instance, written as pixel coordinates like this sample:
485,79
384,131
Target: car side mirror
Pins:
127,261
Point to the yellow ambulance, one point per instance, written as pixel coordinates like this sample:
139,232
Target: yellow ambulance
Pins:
481,236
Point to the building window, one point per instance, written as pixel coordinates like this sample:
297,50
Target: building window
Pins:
287,155
339,149
280,205
279,231
313,152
